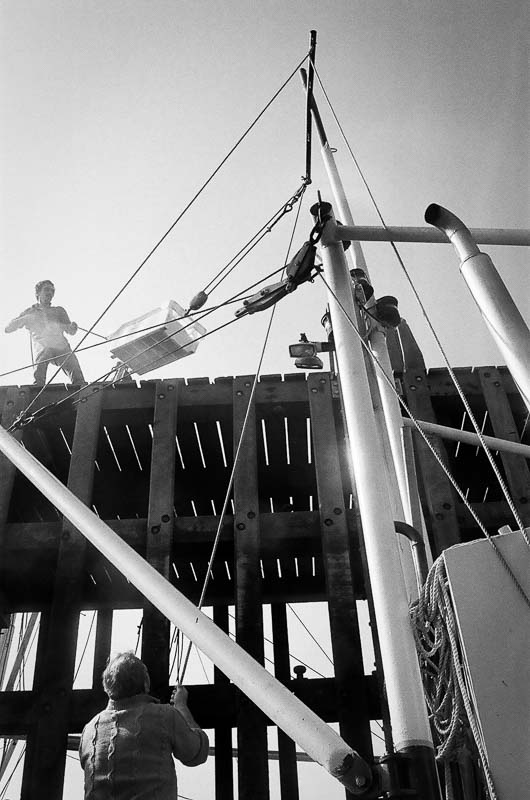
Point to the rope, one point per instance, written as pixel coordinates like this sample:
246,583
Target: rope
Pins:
463,398
451,710
431,448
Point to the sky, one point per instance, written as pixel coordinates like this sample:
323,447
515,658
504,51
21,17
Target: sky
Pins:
116,112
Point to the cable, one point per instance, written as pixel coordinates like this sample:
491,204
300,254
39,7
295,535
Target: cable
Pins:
463,398
85,647
431,448
289,606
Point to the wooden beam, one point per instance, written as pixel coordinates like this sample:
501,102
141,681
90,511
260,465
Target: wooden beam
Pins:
253,774
224,772
437,494
212,705
344,624
286,746
155,633
102,644
46,747
515,467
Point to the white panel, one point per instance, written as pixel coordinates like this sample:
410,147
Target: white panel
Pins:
494,624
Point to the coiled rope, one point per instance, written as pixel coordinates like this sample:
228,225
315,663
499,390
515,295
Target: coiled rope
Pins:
451,710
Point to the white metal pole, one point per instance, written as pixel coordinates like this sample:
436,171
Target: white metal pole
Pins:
391,414
514,237
501,315
469,437
408,715
316,738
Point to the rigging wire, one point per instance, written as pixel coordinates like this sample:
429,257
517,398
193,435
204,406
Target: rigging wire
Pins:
237,297
251,244
182,213
85,647
456,383
424,436
238,449
302,623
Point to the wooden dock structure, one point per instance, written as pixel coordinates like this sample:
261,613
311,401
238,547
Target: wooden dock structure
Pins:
153,460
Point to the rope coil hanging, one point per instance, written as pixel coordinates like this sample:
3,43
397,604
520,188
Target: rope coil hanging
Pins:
449,700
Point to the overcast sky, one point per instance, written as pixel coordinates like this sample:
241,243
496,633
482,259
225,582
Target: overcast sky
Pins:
115,112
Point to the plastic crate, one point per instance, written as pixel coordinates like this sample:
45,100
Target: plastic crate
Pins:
172,338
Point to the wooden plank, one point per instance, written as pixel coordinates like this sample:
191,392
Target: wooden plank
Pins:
155,635
344,624
213,705
15,400
224,773
253,774
504,426
102,645
46,745
437,494
286,746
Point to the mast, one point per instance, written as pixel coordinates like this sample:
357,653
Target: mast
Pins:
408,714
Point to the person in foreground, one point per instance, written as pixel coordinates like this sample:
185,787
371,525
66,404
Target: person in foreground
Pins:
47,325
127,750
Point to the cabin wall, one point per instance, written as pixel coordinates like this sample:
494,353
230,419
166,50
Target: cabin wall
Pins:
154,461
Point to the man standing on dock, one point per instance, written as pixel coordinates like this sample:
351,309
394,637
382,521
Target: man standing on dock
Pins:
47,325
127,750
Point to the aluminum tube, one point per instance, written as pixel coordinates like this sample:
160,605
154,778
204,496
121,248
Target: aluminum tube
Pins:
313,735
362,233
408,715
342,204
501,315
392,411
470,437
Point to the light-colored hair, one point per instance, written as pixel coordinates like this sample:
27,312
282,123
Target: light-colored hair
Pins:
40,284
124,676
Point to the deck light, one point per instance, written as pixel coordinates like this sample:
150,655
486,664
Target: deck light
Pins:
305,353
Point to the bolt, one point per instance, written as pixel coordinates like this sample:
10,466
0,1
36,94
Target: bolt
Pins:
161,396
360,781
322,380
487,374
447,506
239,393
314,390
165,517
413,388
170,387
419,379
251,514
496,383
155,529
337,510
240,526
438,516
299,671
328,522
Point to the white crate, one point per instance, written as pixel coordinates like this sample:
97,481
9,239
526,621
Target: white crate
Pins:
171,338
